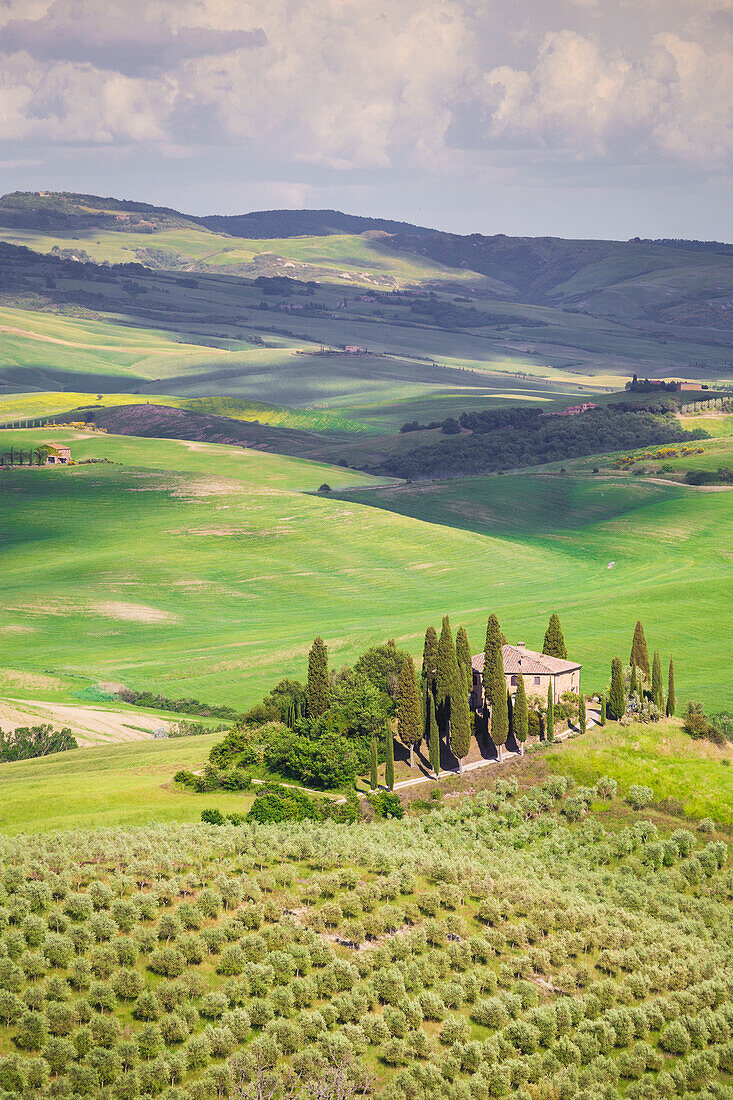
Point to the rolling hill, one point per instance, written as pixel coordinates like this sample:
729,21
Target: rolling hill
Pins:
577,315
205,570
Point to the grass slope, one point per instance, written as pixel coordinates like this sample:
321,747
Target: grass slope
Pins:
126,784
204,570
20,406
668,543
697,774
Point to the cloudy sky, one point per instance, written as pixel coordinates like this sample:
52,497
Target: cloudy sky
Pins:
608,118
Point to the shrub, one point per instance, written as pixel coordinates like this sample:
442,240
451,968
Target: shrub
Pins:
606,787
639,796
675,1039
386,804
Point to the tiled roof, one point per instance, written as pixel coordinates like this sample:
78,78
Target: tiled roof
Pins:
518,659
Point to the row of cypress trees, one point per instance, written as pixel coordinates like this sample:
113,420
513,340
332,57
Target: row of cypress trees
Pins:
439,704
639,661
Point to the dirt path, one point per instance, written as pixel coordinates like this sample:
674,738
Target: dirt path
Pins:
89,725
478,763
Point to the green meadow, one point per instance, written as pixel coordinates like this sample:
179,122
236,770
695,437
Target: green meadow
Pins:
206,571
344,258
697,774
19,406
129,784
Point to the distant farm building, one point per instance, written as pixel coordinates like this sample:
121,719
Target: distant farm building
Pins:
355,349
539,672
58,455
678,386
574,410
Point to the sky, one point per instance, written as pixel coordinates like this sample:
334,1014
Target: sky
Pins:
574,118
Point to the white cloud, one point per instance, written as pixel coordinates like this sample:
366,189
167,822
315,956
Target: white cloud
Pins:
374,85
674,101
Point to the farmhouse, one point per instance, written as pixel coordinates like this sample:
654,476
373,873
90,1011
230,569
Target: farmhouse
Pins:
538,670
575,410
58,455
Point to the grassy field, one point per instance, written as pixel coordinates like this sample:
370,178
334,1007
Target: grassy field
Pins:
203,570
668,546
697,774
131,783
125,785
344,258
37,344
20,406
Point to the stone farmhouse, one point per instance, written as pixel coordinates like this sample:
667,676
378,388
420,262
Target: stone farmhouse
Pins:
58,455
576,410
538,670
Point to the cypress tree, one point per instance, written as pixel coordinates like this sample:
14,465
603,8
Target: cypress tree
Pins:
616,696
463,656
492,654
639,651
430,657
582,715
373,772
499,711
433,735
447,676
671,701
554,643
460,724
317,691
657,690
550,713
602,712
389,766
409,714
521,715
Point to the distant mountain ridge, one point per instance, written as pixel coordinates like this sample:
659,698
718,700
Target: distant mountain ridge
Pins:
67,210
665,282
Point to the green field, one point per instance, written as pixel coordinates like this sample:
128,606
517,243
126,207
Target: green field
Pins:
17,407
126,785
203,570
346,259
697,774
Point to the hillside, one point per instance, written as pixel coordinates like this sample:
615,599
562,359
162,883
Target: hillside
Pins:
514,942
234,567
573,314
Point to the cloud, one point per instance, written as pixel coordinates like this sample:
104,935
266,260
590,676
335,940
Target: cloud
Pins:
449,88
121,40
673,101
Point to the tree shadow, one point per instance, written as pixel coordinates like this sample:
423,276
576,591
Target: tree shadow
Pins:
422,761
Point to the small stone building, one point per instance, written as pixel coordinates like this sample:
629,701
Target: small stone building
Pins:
538,670
58,455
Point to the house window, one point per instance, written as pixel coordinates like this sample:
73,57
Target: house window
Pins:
536,681
514,681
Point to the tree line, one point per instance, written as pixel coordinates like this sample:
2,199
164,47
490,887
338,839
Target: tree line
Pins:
509,438
341,724
28,742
